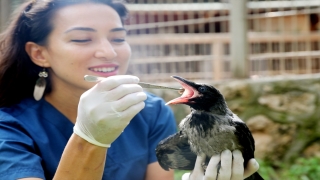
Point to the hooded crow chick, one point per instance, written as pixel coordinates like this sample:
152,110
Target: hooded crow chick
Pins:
210,128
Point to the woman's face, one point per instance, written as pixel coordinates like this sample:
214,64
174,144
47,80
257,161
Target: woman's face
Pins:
87,38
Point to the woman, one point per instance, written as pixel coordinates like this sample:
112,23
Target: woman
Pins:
76,129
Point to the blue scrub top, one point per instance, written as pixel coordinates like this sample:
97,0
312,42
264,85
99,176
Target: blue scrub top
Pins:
33,135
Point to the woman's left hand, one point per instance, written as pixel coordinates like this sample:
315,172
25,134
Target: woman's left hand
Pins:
231,167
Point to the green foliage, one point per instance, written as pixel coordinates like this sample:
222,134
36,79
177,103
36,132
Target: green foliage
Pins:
178,174
304,169
267,171
301,169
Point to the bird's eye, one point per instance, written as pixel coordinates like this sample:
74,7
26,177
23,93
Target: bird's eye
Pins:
202,89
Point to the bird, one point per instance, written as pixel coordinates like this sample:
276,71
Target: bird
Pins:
210,128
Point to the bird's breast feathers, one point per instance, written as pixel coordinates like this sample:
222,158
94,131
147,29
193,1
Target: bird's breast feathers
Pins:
209,133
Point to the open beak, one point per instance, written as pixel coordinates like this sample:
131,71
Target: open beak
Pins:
189,91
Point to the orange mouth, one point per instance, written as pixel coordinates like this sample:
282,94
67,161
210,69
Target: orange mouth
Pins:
189,92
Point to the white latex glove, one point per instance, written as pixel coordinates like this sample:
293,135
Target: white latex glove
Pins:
107,108
231,167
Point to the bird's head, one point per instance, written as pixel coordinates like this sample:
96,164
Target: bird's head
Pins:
200,97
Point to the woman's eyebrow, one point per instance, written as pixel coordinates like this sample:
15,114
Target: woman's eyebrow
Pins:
118,29
93,30
81,29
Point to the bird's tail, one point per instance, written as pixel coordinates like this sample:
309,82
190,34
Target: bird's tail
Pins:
255,176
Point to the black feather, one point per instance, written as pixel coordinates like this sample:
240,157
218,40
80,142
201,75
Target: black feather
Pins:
174,152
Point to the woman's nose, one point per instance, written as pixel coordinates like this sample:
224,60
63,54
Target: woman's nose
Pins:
105,51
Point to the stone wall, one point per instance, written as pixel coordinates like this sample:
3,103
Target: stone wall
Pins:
282,113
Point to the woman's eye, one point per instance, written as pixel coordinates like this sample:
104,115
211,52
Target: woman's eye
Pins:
119,40
80,40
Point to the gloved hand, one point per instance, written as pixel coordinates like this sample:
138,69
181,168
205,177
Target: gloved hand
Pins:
231,168
106,109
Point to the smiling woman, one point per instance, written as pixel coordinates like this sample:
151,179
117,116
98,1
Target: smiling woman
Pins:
75,129
56,125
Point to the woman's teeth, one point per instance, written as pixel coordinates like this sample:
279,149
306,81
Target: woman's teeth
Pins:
104,69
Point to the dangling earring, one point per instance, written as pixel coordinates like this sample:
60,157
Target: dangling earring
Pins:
40,85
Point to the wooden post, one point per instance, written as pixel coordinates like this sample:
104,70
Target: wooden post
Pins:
5,11
217,50
239,41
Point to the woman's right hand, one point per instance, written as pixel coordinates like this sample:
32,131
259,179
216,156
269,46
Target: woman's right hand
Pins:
105,110
231,167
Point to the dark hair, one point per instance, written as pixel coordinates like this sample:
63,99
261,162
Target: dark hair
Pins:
31,22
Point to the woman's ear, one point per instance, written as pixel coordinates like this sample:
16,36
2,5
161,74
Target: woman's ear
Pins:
37,54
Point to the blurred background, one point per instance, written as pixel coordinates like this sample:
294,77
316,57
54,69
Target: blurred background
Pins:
263,55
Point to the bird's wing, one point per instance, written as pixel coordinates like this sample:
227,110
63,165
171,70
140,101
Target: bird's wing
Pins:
245,139
174,152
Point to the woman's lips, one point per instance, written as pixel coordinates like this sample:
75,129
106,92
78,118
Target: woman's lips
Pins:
105,70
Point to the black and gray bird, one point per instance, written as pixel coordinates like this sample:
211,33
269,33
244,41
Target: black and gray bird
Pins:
210,128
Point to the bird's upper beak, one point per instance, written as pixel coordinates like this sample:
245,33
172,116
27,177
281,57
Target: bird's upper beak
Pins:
190,91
